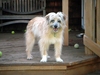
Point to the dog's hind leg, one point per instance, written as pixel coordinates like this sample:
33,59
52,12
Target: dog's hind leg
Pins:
44,45
30,40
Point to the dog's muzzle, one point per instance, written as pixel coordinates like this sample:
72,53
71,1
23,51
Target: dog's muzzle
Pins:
55,28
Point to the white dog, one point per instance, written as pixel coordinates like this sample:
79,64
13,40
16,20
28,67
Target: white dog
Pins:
49,30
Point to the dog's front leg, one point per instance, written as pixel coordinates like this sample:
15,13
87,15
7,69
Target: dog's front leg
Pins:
58,50
44,45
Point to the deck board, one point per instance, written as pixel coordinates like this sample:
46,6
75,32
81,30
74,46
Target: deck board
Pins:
13,48
94,73
14,59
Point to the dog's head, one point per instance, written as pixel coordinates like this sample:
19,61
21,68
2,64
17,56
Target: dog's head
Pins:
56,20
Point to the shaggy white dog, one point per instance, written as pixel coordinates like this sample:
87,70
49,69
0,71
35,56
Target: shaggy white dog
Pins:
49,30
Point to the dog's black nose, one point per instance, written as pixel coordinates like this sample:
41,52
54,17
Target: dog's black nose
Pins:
55,26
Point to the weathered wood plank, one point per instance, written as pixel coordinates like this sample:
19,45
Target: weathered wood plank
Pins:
15,6
94,73
79,69
13,22
83,70
92,45
31,5
6,17
26,6
0,7
65,10
33,72
75,61
17,3
23,6
12,68
89,21
44,5
98,22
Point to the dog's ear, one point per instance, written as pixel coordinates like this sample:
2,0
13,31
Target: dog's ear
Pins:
62,15
49,15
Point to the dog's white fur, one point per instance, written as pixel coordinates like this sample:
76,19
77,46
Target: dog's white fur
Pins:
49,30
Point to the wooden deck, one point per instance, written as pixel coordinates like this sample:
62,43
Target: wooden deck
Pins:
94,73
14,59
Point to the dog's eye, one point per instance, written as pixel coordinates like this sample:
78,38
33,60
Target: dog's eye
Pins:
59,21
52,20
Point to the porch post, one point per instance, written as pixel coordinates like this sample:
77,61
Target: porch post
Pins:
98,22
89,14
65,11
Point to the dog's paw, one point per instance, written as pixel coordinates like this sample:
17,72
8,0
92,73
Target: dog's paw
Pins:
30,57
59,60
44,59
